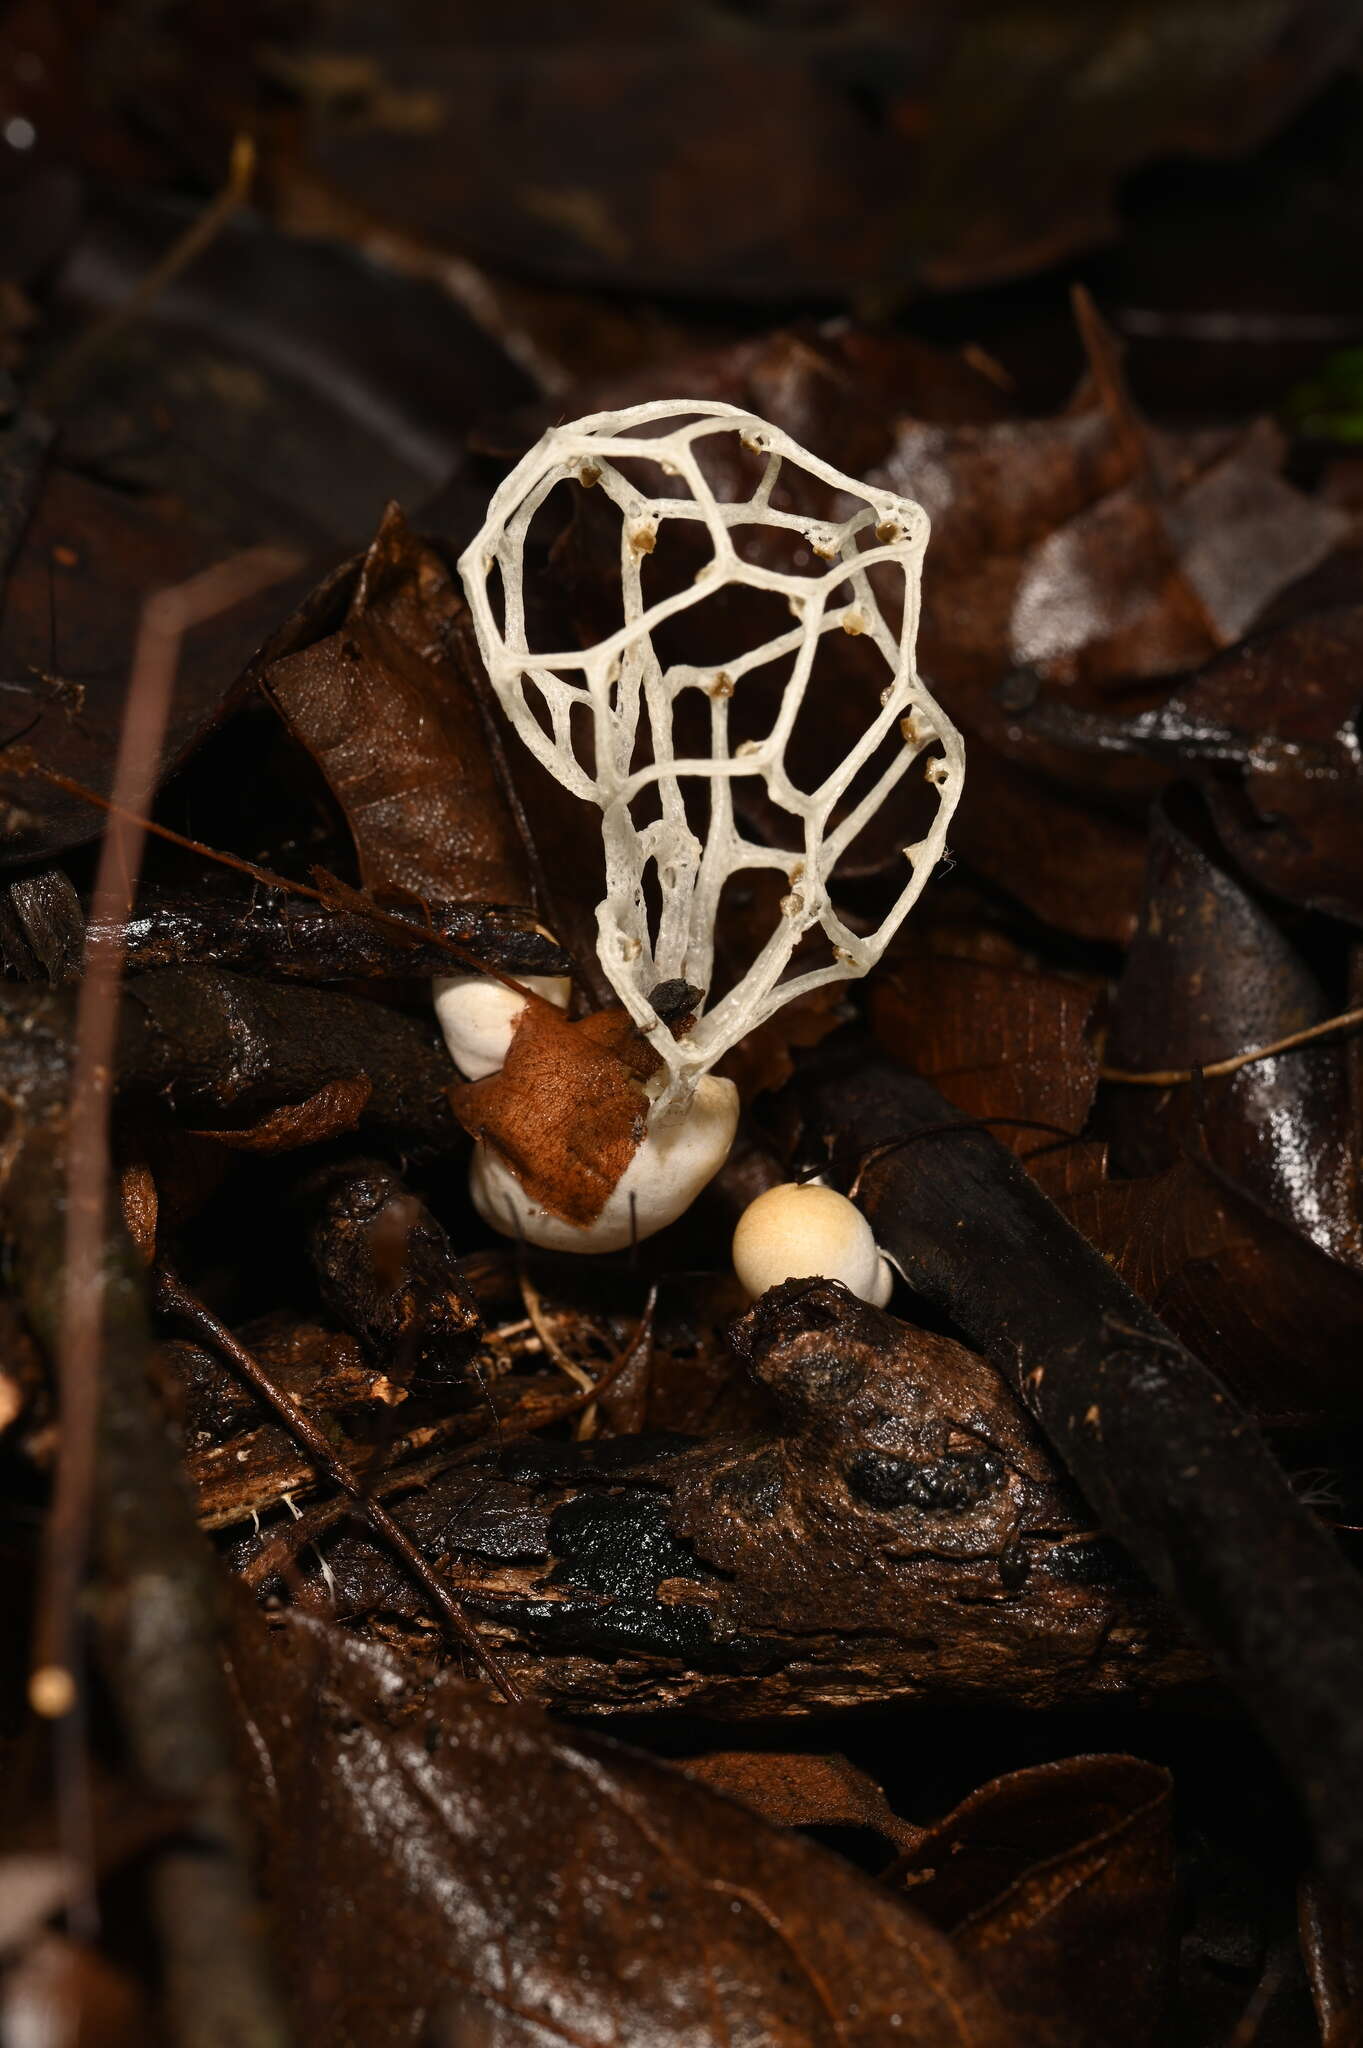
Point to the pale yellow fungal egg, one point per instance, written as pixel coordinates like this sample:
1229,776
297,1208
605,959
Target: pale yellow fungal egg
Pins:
804,1231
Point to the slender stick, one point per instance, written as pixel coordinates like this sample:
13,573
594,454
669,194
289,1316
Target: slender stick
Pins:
184,251
1174,1077
525,1419
23,763
176,1299
166,617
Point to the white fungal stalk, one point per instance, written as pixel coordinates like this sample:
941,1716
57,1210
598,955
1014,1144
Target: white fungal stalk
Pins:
601,718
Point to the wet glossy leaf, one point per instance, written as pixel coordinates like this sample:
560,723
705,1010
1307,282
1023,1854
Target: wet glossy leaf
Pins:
1209,974
519,1884
1280,714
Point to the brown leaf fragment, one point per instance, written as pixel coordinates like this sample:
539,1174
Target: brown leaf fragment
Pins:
1068,861
42,928
336,1107
801,1789
518,1883
1059,1881
566,1111
395,728
1149,580
1001,1041
139,1203
1275,1316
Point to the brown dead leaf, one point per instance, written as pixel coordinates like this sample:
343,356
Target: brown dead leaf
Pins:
395,727
566,1110
761,1062
518,1883
1147,580
1281,710
781,151
1274,1315
1059,1881
1068,861
1001,1041
336,1107
138,1201
798,1789
86,559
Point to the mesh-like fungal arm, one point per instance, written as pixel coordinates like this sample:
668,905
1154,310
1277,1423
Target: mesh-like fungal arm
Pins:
604,719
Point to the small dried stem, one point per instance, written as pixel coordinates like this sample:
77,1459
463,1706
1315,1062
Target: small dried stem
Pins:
23,763
1214,1070
67,369
166,618
544,1330
176,1299
526,1419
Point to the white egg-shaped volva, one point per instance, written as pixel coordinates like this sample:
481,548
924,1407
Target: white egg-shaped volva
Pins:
478,1015
804,1231
678,1156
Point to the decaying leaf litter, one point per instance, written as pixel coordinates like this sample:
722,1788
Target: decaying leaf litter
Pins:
625,1660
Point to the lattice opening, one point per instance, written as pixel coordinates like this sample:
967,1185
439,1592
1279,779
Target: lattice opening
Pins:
651,738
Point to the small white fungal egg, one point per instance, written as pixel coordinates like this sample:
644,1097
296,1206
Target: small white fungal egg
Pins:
677,1158
805,1231
478,1015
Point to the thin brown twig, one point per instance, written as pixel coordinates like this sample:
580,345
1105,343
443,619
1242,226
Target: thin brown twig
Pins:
525,1419
176,1299
22,762
166,617
1213,1070
980,1123
188,247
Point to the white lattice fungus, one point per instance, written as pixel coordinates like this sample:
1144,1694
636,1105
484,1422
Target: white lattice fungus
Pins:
603,719
805,1231
478,1015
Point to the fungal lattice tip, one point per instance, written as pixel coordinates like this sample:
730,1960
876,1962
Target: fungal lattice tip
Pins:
603,718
